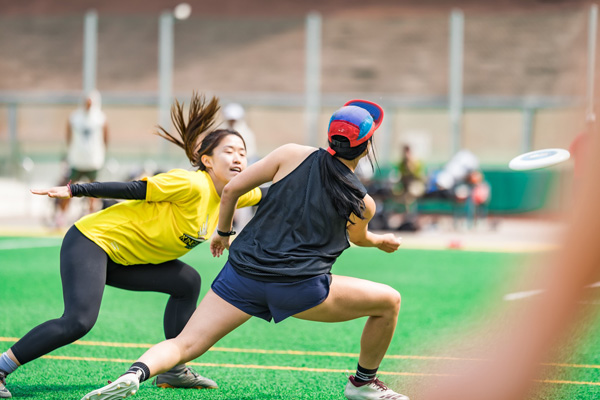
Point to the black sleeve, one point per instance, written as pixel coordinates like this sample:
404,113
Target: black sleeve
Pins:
135,190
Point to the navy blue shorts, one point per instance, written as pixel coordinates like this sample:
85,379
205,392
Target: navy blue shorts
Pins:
270,300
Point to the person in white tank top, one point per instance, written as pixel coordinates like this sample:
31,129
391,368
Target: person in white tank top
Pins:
87,137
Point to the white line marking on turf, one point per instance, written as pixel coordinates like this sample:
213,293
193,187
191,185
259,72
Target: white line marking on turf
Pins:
521,295
26,244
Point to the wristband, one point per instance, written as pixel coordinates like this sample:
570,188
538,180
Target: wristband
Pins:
225,234
69,189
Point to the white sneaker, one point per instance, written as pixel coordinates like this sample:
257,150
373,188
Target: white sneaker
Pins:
374,390
4,392
127,385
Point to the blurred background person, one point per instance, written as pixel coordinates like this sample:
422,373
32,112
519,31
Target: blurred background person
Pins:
87,140
462,183
233,116
412,187
411,169
479,193
443,183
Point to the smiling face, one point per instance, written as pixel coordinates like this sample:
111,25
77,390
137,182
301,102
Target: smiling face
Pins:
227,160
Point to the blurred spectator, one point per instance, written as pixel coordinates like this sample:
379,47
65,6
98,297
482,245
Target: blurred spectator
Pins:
412,181
462,182
411,169
454,173
233,116
87,138
476,195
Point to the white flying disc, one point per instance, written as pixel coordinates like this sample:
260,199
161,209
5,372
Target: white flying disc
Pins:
539,159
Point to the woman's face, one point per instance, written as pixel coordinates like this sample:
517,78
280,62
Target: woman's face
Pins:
228,159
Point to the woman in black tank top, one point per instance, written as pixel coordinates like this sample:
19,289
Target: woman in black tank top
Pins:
313,209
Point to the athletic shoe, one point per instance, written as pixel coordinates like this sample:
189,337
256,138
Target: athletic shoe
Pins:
374,390
127,385
182,376
4,393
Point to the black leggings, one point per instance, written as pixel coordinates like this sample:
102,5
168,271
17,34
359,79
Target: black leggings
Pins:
85,269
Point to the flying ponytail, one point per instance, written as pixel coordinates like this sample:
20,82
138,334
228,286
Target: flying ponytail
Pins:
201,118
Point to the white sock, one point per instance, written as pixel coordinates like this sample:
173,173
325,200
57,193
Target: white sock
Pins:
6,364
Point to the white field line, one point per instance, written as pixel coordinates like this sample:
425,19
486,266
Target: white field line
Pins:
26,244
521,295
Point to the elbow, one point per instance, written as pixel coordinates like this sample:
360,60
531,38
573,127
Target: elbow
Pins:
226,193
230,192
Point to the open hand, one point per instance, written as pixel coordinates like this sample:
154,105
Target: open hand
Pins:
218,244
57,192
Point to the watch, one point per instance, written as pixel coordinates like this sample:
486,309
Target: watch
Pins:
225,234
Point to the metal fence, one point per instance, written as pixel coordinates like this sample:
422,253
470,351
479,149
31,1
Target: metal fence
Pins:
523,79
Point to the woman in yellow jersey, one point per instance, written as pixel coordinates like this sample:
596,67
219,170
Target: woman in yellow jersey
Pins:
282,269
135,244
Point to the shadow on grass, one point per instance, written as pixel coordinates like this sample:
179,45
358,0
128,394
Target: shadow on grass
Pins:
36,391
77,391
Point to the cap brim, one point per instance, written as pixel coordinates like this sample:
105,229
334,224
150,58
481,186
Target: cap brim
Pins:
374,109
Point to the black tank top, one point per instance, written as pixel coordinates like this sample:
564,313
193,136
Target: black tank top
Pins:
296,232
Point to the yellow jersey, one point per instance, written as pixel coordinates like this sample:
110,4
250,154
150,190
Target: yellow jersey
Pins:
181,210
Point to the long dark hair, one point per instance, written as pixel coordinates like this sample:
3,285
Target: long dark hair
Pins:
201,118
347,198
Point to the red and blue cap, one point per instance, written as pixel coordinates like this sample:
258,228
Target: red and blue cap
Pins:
357,120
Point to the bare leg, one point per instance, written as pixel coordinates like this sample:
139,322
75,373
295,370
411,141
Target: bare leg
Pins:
213,319
351,298
10,355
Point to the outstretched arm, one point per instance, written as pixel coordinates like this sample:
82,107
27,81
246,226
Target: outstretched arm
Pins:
57,192
361,236
135,190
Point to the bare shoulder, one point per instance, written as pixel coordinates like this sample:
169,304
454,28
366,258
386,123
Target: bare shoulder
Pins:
370,207
289,156
294,150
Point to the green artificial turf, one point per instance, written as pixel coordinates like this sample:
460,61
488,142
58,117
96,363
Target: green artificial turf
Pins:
445,295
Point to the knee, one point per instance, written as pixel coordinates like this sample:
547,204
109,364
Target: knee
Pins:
77,327
392,301
190,284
